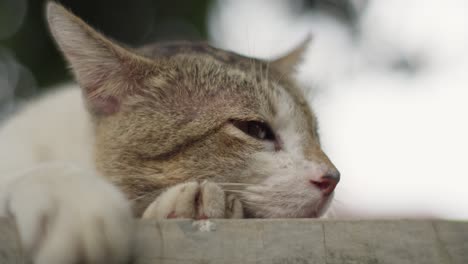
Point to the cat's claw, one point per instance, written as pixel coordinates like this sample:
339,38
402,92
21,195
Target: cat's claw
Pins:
194,200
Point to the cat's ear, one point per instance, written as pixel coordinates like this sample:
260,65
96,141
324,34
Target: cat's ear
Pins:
288,63
106,72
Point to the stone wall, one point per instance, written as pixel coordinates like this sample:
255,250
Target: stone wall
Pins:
298,241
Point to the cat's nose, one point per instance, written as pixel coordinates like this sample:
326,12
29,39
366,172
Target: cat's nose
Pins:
327,183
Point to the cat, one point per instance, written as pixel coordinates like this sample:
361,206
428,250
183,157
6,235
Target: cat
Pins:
171,130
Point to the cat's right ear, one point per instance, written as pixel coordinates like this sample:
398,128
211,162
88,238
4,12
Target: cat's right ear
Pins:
106,71
290,61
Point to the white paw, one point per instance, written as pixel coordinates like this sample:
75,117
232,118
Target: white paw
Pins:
196,201
67,215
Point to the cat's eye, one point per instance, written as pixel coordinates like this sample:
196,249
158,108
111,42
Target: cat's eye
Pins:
256,129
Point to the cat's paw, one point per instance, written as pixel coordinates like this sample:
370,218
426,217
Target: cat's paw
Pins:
65,215
196,201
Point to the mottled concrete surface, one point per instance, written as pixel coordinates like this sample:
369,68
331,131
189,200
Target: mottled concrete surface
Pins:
298,241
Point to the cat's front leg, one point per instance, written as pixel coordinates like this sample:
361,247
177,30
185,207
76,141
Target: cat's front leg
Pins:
69,215
194,200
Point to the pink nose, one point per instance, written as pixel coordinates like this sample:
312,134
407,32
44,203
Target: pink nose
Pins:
326,184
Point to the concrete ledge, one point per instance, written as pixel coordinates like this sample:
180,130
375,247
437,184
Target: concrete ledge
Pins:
287,241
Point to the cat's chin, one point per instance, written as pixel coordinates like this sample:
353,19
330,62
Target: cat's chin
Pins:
313,210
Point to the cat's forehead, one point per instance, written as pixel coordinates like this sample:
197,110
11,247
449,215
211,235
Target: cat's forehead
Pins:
201,71
181,48
208,76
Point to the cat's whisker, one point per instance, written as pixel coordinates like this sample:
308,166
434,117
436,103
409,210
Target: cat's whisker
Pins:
249,203
239,186
138,198
281,77
266,77
243,196
245,191
145,195
238,191
234,189
235,183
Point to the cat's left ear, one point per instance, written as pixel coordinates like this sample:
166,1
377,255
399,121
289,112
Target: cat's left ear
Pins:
288,63
106,71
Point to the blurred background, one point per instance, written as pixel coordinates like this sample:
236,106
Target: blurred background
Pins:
30,62
387,79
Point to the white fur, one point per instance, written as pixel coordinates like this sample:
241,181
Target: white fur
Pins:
64,213
47,178
58,117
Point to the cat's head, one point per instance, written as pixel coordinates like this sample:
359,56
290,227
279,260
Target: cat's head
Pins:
170,113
